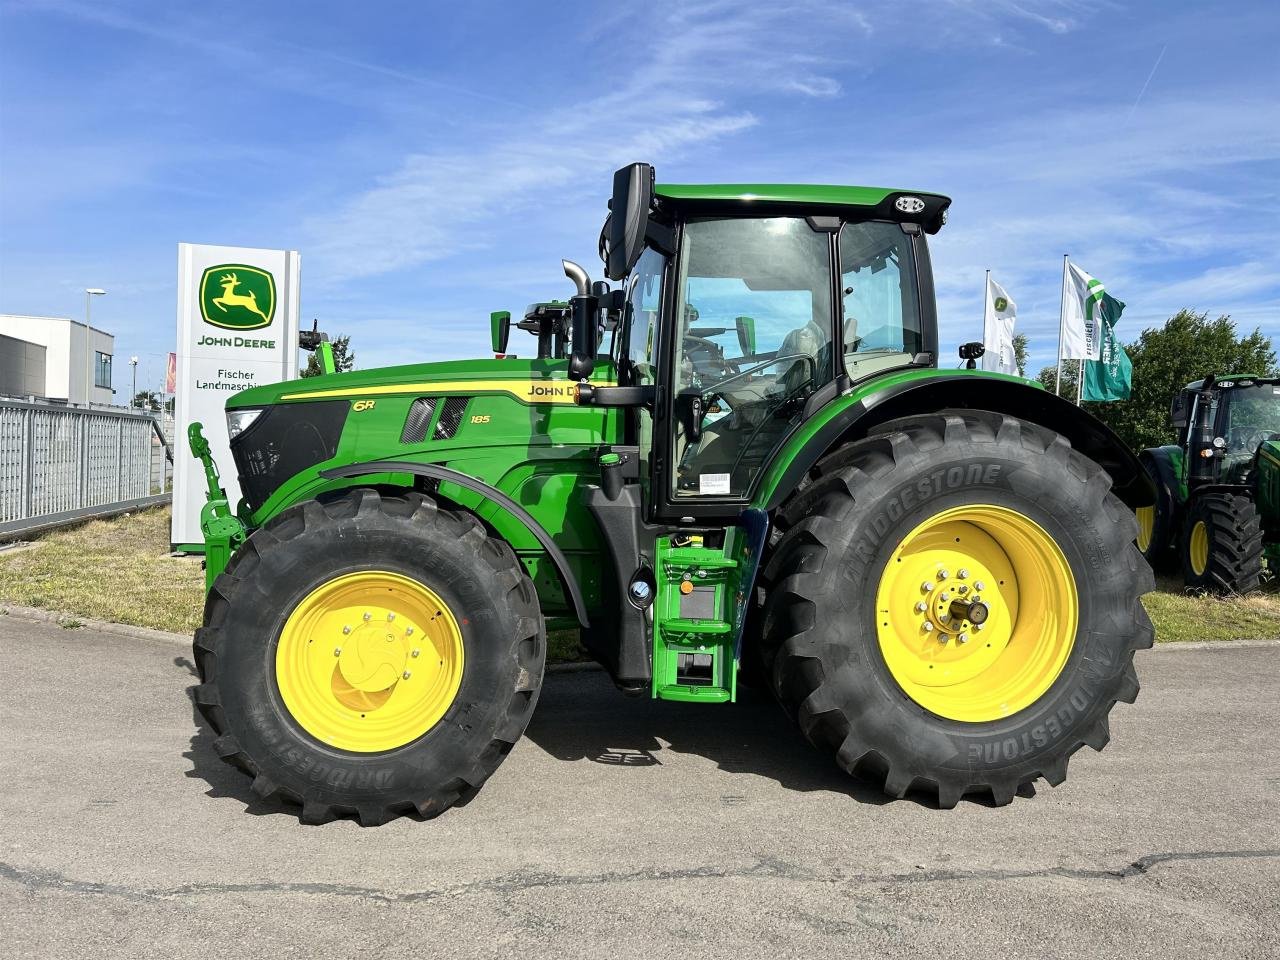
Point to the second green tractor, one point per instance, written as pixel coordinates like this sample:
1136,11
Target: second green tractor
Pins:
736,460
1217,510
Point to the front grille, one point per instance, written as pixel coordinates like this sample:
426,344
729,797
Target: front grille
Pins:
415,425
450,417
285,440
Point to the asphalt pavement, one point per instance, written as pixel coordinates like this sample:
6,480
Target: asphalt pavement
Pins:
629,828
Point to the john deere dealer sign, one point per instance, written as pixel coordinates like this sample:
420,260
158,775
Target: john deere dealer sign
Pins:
237,328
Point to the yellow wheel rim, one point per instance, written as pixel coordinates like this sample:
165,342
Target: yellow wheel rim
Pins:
1198,548
1146,527
369,661
960,566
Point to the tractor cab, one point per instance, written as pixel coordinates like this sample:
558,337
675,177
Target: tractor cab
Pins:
1224,422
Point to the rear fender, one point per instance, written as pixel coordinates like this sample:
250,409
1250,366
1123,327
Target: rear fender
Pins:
852,416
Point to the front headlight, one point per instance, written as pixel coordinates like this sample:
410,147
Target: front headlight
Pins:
238,421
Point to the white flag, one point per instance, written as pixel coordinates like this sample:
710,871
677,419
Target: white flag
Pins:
997,330
1081,317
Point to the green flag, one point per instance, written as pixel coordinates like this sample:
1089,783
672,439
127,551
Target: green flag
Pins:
1111,375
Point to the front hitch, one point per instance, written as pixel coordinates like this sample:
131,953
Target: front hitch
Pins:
223,532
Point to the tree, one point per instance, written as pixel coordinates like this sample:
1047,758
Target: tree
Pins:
343,358
1020,353
1165,359
147,400
1070,378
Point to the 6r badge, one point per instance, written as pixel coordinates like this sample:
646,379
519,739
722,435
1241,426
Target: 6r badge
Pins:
237,297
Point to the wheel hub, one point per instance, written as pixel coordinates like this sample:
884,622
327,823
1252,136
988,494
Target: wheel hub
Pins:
369,661
976,612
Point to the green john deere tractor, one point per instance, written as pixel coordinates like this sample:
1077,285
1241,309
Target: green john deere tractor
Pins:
739,458
1217,503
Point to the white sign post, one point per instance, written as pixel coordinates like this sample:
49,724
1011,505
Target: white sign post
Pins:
237,328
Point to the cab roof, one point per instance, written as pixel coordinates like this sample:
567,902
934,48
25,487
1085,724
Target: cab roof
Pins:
928,209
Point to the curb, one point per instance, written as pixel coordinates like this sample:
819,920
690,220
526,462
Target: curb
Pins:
102,626
38,615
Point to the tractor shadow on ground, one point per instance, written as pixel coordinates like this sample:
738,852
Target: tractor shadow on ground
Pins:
580,716
223,779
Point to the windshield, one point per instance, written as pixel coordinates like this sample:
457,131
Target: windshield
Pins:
1250,415
881,302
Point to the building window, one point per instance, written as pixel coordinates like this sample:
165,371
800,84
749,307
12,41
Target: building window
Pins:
102,370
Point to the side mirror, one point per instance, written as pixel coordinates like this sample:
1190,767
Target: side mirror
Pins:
746,335
1178,411
500,330
628,218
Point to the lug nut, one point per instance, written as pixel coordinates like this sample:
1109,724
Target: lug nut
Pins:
337,651
408,631
943,574
368,616
346,629
927,586
390,617
979,585
405,674
944,597
414,652
978,626
962,589
927,627
962,573
943,638
963,638
921,607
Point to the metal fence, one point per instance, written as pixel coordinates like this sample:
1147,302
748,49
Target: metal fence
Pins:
59,464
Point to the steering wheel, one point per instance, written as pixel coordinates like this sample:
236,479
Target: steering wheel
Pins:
714,352
1250,439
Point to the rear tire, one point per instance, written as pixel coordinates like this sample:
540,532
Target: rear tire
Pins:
360,536
1222,544
823,625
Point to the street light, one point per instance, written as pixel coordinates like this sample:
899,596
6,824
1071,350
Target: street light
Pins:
133,362
89,294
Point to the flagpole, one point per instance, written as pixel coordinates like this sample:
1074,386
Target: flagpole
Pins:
986,293
1080,386
1062,312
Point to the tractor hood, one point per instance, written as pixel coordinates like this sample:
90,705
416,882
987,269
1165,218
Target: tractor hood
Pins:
529,380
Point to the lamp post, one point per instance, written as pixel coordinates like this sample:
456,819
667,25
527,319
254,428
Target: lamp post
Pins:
133,397
89,294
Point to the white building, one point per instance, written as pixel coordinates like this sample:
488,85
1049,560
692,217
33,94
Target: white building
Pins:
77,359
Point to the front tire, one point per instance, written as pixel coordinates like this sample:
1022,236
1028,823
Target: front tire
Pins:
851,658
1222,544
370,656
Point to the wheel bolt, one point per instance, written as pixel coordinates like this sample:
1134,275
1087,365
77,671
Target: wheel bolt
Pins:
963,638
921,607
408,631
978,626
943,638
337,651
979,585
927,627
406,674
962,589
943,574
346,629
368,616
390,617
414,652
944,597
962,573
927,586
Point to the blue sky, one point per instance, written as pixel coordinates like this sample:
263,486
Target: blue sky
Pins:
434,162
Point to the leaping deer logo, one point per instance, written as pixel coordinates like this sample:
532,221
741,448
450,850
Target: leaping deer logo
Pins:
230,298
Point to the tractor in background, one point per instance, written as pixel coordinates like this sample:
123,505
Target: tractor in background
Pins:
1217,510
